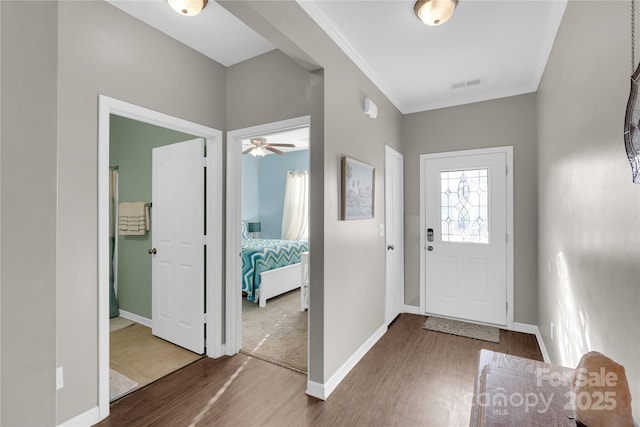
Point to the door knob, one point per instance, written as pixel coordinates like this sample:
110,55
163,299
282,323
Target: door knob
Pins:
390,247
152,251
430,248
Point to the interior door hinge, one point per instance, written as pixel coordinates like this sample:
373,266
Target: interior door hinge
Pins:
506,170
507,306
205,162
205,240
204,318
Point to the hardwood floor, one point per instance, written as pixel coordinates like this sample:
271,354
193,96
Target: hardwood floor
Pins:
410,377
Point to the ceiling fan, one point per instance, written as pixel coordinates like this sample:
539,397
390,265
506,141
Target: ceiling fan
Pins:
259,145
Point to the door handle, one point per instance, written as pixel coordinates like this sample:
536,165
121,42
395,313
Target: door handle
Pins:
152,251
430,248
390,247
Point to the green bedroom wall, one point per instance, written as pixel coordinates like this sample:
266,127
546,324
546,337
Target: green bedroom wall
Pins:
130,146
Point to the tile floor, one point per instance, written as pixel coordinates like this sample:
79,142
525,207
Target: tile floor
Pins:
144,358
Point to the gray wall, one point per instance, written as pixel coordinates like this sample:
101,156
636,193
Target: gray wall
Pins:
347,266
589,211
29,35
506,121
104,51
265,89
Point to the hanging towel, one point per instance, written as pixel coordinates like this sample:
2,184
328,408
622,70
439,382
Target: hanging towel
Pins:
133,218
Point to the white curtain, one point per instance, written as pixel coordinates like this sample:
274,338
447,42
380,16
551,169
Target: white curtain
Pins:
295,217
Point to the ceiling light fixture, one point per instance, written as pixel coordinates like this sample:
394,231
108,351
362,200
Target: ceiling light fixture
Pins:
258,151
435,12
187,7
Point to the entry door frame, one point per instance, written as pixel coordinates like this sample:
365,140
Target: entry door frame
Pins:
233,268
213,284
508,151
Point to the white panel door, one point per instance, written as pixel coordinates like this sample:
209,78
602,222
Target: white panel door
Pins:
394,225
466,242
178,242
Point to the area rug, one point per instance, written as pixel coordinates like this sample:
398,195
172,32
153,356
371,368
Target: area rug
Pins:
276,333
119,385
143,357
463,329
118,322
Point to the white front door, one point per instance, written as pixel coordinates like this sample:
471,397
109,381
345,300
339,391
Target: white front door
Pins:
178,242
394,224
466,235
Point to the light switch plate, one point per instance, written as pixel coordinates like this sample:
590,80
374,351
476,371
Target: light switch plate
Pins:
59,378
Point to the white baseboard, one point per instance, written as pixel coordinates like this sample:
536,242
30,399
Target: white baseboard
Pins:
525,328
411,309
534,330
86,419
543,347
315,389
322,391
138,319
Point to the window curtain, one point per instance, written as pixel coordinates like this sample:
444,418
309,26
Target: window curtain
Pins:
114,309
295,216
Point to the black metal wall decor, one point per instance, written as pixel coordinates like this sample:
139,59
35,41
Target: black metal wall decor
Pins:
631,131
632,115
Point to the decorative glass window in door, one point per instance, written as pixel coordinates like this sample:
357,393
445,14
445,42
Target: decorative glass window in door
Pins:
464,206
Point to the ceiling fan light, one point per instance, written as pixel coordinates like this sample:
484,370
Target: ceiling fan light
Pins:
259,151
435,12
187,7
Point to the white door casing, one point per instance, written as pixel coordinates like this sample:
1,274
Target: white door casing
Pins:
214,292
394,227
233,260
465,234
178,244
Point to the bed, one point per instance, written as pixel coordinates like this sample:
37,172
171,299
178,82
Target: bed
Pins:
270,267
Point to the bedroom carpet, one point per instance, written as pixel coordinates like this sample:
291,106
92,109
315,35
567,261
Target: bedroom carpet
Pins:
276,333
463,329
144,358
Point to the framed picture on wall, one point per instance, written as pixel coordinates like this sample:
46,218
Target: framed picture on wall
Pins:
358,182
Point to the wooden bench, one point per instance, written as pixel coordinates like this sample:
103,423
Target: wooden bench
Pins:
514,391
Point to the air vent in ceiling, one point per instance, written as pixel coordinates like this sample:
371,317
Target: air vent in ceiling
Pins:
460,85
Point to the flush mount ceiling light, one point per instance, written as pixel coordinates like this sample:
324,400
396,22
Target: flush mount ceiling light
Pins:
435,12
187,7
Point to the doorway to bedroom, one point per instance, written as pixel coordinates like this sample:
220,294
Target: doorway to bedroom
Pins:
274,222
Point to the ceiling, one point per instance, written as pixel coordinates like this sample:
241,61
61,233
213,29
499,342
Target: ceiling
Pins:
488,50
215,32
